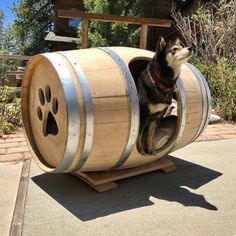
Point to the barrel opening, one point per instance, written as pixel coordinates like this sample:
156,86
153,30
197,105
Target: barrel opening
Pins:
166,132
138,65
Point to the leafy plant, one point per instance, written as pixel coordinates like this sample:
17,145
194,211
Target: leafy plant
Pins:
223,91
33,21
7,128
8,45
10,109
212,32
8,94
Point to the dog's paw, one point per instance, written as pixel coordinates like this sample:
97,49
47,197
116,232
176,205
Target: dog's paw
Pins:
151,151
141,150
46,111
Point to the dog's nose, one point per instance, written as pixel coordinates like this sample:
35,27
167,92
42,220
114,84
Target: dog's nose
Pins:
190,49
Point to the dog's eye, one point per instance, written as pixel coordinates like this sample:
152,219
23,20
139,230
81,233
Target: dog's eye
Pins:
174,50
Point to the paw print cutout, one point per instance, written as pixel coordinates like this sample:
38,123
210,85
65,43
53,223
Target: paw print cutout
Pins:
47,110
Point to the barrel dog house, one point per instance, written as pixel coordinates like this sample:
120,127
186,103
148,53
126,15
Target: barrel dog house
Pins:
81,110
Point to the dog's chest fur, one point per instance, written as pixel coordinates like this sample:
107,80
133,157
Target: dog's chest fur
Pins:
153,97
157,107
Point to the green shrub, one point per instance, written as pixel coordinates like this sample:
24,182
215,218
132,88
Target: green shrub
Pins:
221,78
10,109
212,33
7,128
8,94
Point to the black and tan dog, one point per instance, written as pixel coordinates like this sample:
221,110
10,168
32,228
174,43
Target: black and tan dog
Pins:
155,87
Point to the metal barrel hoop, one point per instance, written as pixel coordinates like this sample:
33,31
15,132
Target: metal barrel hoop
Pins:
206,100
88,108
134,105
183,103
208,97
73,116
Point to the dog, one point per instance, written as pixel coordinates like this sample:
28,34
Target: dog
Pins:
155,87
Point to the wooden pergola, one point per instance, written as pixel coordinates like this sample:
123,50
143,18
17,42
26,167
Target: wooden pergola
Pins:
85,17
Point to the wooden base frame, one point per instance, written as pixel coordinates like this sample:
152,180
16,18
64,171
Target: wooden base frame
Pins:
103,181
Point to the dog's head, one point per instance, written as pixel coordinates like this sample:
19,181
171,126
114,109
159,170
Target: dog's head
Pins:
173,54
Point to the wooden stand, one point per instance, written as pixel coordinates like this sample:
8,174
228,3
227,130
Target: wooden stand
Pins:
103,181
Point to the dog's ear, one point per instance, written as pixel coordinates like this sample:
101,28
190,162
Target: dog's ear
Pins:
160,45
177,42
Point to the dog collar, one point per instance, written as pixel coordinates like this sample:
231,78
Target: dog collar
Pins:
156,78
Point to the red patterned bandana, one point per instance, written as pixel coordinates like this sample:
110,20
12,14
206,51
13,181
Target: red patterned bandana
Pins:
155,76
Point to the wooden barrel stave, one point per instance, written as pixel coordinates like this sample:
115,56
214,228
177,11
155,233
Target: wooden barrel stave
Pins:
197,106
112,122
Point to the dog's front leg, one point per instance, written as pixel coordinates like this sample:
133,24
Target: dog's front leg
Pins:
144,113
154,122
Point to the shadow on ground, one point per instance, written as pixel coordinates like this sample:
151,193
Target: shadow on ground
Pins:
135,192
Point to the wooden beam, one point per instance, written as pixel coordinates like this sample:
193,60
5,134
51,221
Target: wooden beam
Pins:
103,181
143,36
55,38
15,72
84,42
71,14
15,57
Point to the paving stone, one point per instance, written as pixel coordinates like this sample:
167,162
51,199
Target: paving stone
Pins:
16,135
27,155
233,127
23,143
212,137
9,145
11,157
17,149
3,151
211,133
228,136
12,140
227,131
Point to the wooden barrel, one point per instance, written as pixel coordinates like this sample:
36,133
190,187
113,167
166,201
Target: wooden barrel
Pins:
80,109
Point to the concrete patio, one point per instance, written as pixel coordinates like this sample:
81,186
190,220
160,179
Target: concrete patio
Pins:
198,199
